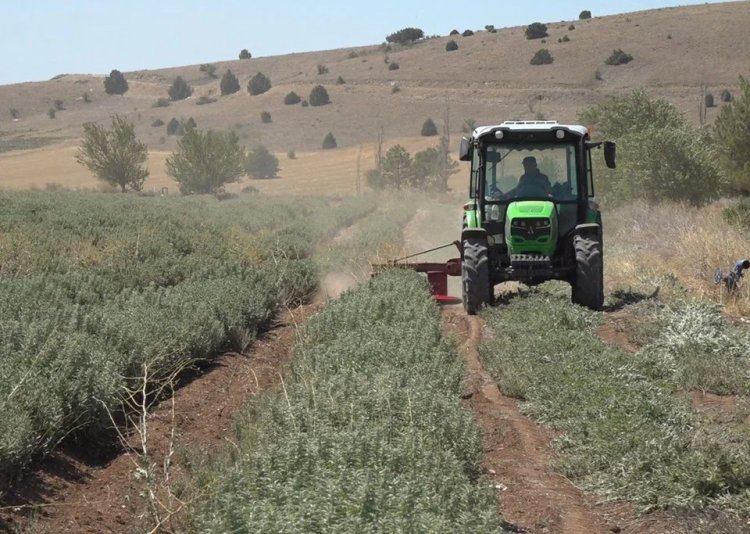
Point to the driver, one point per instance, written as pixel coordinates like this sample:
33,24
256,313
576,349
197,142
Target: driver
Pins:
532,180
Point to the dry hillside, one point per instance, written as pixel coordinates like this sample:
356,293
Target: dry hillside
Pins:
676,51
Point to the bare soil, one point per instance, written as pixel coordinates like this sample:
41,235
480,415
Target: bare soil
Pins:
74,493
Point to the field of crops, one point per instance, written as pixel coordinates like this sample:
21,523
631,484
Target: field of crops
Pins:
367,435
627,427
97,289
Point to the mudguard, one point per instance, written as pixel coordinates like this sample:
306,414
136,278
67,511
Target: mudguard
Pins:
588,230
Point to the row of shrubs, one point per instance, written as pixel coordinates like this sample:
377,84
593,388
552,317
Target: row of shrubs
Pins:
97,286
368,435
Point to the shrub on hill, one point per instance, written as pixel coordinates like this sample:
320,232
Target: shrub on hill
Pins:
229,83
490,28
51,113
244,54
59,105
161,103
467,33
265,117
157,123
708,100
393,66
565,39
319,96
291,154
258,84
206,161
340,81
329,141
322,69
585,14
203,100
190,124
618,57
14,113
428,128
114,155
571,27
260,163
451,45
542,57
180,89
454,32
405,36
536,30
209,69
292,98
726,96
174,127
115,83
305,103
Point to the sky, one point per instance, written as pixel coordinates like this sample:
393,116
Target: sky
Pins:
42,38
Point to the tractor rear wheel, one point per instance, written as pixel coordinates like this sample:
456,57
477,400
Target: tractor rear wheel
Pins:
475,274
588,285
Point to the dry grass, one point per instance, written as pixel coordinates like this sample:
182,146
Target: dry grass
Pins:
647,244
310,173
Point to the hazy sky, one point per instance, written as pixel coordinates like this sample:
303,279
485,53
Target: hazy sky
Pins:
42,38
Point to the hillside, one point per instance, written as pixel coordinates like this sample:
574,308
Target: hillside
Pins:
676,51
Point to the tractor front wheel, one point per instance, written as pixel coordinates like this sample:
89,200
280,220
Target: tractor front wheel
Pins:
588,285
475,274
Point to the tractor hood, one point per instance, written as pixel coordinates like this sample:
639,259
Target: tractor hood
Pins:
531,227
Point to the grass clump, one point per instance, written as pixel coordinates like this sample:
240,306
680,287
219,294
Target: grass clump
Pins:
368,434
622,431
698,350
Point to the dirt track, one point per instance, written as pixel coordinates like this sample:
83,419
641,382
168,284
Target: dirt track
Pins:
532,498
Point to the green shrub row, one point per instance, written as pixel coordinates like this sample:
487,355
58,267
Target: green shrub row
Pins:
367,435
94,286
624,431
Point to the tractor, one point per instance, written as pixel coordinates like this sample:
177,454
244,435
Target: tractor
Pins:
531,215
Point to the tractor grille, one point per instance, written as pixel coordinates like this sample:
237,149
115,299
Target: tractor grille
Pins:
531,228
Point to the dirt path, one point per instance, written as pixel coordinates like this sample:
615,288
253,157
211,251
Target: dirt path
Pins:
532,497
69,493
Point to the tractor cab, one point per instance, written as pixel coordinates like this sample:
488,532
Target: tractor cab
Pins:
531,209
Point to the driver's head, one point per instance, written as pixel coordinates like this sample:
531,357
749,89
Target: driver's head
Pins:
529,163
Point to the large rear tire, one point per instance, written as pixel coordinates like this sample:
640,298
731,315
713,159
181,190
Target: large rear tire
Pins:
588,286
475,275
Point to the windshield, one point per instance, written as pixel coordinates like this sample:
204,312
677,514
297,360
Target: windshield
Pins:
531,171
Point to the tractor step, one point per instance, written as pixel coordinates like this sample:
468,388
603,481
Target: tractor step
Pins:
530,261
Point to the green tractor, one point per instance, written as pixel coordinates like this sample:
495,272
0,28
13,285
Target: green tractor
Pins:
531,216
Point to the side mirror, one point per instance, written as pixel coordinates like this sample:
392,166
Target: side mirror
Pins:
464,152
610,154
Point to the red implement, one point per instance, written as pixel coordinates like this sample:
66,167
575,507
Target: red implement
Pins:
437,273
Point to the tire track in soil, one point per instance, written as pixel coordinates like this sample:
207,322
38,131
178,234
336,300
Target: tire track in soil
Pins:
71,495
531,496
